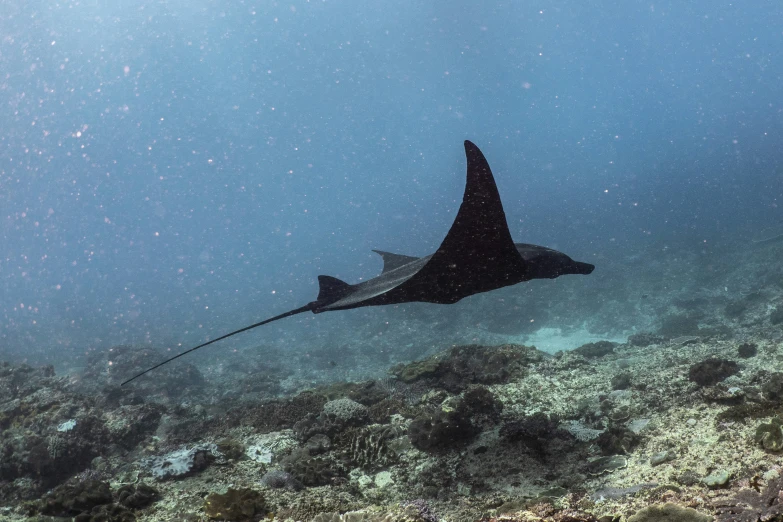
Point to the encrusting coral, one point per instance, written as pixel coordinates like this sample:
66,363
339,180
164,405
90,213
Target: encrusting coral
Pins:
712,371
770,434
749,505
668,513
235,504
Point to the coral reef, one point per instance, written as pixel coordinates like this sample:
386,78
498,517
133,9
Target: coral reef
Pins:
441,430
596,349
368,447
621,381
278,479
93,501
617,439
419,370
411,511
462,366
72,500
345,411
47,432
235,504
452,427
336,417
645,339
535,431
182,462
137,496
747,350
749,505
484,433
106,369
276,414
772,388
712,371
770,435
668,513
310,470
230,448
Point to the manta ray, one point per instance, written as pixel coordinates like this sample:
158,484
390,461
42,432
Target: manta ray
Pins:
477,255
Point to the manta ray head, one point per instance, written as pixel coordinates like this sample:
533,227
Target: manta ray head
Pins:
545,263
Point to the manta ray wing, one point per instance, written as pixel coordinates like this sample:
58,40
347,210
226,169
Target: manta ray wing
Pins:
478,253
393,261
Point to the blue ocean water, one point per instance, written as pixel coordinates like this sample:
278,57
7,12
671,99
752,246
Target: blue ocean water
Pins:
171,171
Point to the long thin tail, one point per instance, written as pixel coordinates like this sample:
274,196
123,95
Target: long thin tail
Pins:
308,307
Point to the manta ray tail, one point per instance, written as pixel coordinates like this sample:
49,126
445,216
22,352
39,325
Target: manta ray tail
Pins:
308,307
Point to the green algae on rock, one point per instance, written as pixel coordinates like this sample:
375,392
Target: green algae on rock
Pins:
716,479
662,456
235,504
417,370
606,464
71,500
770,435
596,349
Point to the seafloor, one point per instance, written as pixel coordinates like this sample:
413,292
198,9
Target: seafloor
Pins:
679,422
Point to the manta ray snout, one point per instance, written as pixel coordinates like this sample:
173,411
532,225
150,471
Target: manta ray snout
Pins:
583,268
560,267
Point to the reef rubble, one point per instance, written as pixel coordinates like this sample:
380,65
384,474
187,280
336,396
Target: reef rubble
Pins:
472,433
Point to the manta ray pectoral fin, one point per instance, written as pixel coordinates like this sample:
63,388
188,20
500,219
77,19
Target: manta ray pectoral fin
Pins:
393,261
478,253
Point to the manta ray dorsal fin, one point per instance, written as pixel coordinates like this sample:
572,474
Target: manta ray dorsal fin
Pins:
478,253
331,289
393,261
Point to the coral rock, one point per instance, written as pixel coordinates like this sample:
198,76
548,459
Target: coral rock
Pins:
712,371
235,504
770,435
669,513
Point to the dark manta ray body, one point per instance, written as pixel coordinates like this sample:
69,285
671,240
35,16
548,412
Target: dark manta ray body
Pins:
477,255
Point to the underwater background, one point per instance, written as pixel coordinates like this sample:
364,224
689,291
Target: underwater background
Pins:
173,171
